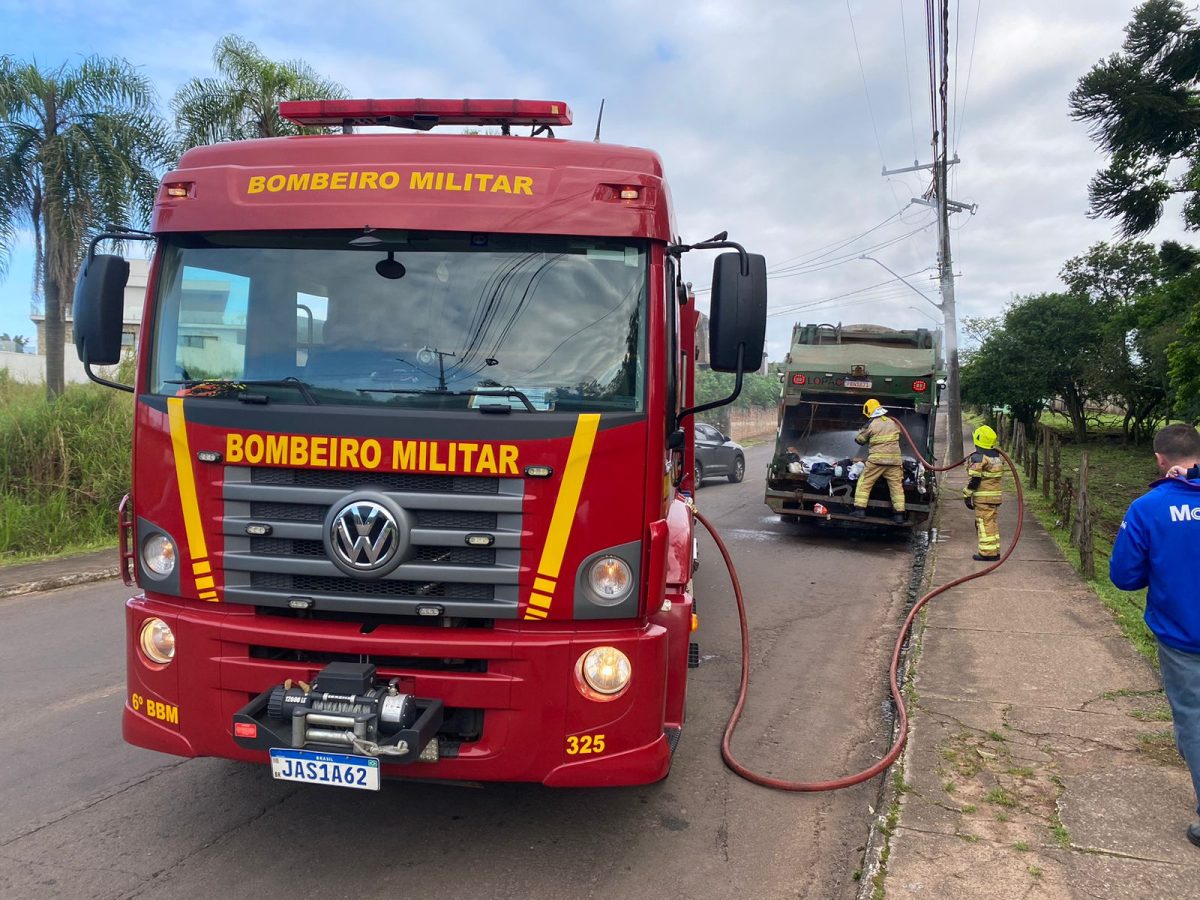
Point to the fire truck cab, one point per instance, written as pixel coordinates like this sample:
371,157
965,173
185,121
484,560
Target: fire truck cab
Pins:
411,477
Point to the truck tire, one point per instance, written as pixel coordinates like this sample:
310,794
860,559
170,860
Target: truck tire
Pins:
739,470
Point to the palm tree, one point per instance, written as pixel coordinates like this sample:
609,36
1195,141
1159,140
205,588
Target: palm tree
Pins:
243,101
79,149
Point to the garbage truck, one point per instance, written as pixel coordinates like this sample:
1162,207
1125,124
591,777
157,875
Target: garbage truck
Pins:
412,451
829,373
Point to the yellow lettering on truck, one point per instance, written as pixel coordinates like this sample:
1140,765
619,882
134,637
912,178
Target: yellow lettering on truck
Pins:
458,182
321,452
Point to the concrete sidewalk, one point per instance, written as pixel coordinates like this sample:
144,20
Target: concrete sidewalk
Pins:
1040,762
27,578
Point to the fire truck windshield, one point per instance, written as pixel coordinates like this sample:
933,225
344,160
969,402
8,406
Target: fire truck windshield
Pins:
408,319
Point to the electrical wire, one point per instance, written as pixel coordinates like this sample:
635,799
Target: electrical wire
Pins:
842,304
901,729
912,124
863,71
823,300
838,244
799,269
805,268
967,87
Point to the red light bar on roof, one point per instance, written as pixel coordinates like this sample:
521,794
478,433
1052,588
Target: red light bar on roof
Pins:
425,114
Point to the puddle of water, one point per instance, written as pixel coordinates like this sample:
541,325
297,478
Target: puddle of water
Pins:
752,534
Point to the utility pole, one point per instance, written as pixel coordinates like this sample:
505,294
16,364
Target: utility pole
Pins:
944,205
941,141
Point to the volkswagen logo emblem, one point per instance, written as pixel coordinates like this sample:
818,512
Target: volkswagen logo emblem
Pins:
366,536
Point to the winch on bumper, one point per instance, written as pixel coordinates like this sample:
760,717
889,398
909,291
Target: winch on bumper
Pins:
344,710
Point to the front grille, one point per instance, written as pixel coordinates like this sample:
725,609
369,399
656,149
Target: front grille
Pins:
324,584
418,663
465,520
386,481
467,582
463,556
288,512
282,547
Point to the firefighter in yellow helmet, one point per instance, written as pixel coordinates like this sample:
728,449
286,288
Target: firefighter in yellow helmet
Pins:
882,437
983,494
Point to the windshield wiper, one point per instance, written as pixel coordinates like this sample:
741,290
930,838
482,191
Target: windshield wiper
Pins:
487,392
235,385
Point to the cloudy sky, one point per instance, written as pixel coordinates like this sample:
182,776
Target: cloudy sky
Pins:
768,124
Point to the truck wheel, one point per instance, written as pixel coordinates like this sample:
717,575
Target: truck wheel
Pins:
739,470
699,475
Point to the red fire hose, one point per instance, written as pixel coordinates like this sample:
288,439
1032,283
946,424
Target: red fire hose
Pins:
893,675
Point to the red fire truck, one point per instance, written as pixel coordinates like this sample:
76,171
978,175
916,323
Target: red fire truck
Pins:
410,475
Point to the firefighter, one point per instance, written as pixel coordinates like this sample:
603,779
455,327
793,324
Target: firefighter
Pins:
982,493
882,437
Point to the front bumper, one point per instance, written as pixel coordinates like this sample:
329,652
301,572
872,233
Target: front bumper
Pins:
516,682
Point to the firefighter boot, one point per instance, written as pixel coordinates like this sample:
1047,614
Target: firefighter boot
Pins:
980,558
898,518
858,513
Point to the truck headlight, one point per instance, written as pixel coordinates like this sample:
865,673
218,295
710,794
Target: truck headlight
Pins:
605,671
609,581
158,555
157,641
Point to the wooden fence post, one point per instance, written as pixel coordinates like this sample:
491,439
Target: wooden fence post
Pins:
1033,462
1082,532
1056,470
1045,433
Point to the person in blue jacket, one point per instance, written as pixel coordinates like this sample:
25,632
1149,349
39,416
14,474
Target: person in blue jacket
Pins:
1156,547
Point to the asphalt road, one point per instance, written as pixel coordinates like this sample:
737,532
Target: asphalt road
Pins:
86,816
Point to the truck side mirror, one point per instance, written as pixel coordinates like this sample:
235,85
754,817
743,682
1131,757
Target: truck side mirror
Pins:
98,307
738,313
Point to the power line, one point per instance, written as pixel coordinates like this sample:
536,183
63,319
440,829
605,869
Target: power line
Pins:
792,271
838,244
863,72
818,264
912,124
821,300
932,54
967,87
957,18
812,267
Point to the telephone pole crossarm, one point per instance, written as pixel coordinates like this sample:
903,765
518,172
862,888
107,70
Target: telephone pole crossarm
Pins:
917,167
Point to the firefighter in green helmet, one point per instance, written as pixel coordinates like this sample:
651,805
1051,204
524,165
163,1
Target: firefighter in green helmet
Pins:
882,437
982,493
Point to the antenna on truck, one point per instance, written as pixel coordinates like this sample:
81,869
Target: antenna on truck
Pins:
599,119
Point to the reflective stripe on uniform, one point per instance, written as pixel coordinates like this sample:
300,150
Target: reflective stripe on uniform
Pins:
883,436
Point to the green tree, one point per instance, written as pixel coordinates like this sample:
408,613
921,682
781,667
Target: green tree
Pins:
1045,347
1183,355
1143,106
1115,278
242,101
760,391
80,148
995,375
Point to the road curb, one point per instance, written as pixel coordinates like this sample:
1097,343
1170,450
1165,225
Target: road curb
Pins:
879,838
54,582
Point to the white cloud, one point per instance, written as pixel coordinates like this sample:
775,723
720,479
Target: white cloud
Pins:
757,109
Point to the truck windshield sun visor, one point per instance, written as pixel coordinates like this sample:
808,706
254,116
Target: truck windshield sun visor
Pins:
478,321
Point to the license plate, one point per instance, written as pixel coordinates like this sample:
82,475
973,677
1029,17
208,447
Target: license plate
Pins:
337,769
857,383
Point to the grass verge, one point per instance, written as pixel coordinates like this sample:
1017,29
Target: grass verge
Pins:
1118,474
64,467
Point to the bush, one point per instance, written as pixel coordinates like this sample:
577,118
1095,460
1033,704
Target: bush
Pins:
64,466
